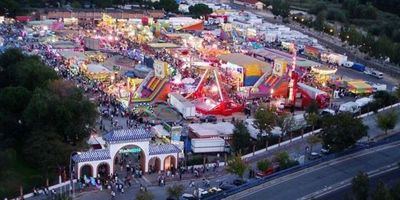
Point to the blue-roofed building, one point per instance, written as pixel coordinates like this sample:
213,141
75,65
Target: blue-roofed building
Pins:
154,157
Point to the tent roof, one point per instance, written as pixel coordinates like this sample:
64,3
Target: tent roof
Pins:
242,60
163,45
198,26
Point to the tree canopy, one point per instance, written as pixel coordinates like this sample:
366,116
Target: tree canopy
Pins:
167,5
240,137
263,165
342,131
236,166
387,121
175,191
200,9
360,186
265,120
42,118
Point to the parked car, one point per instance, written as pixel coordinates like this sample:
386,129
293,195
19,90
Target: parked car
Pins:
226,186
325,151
209,118
327,111
314,156
238,182
269,171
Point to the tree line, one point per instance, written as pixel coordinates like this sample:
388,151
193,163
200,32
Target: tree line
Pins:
42,119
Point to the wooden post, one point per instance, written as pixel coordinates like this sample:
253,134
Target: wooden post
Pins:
254,149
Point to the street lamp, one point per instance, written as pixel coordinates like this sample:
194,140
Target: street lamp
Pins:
70,173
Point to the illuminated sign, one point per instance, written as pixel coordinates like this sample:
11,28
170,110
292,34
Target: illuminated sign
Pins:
131,150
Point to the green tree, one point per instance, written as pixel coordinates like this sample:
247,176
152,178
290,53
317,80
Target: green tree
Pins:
313,107
381,192
175,191
387,121
264,120
312,119
14,100
39,150
395,191
144,195
342,131
319,22
167,5
263,165
240,137
7,60
384,98
200,9
317,7
280,8
236,166
31,73
360,186
351,6
65,110
283,159
9,7
76,4
313,140
102,3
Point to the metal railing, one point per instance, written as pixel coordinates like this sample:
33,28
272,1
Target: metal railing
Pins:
256,182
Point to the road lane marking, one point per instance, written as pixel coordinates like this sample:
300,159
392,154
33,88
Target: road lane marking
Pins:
347,182
297,174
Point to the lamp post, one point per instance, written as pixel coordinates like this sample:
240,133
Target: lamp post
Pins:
70,174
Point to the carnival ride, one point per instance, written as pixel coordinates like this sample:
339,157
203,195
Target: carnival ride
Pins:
309,94
151,89
210,96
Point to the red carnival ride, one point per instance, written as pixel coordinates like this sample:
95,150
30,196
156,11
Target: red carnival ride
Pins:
210,97
301,95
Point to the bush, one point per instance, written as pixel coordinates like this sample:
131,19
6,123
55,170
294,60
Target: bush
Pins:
196,160
336,15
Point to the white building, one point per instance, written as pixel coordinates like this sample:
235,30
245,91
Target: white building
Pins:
157,157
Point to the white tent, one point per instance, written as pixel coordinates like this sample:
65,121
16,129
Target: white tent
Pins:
96,68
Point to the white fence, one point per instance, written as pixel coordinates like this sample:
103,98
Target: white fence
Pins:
287,142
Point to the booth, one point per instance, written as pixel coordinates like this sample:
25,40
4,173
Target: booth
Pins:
359,87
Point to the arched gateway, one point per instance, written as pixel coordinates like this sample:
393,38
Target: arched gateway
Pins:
123,148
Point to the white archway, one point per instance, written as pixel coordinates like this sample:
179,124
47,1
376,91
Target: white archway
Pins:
86,169
155,164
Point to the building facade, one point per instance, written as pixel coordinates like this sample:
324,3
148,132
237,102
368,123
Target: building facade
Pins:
152,157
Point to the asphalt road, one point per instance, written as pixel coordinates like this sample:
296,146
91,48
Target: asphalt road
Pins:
390,179
349,73
307,181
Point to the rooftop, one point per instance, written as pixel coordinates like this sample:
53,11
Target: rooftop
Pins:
127,135
212,130
242,60
163,149
94,155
